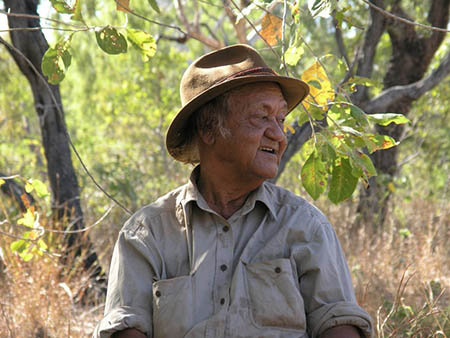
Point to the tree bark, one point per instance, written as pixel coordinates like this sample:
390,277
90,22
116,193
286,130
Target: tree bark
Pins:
29,48
411,57
16,192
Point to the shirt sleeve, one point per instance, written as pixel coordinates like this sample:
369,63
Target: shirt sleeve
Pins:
134,266
326,285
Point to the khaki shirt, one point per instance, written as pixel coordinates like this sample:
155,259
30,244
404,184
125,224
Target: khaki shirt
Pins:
273,269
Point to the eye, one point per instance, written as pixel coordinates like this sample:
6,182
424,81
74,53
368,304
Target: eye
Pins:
281,121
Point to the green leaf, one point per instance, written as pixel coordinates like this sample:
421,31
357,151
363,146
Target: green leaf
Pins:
154,5
343,183
19,246
111,41
320,8
29,187
336,113
143,41
77,12
359,115
40,187
364,163
315,112
302,118
385,119
379,142
404,232
26,256
328,154
56,61
364,81
293,55
28,219
314,175
315,84
350,130
42,245
2,181
62,7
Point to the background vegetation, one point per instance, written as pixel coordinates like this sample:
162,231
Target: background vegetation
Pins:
117,109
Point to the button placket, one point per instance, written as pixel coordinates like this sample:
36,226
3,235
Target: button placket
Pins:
225,259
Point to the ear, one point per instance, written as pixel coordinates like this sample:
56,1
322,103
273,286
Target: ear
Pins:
206,137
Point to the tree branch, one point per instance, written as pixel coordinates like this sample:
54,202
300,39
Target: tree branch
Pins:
407,21
340,42
194,31
295,143
239,27
437,17
16,192
413,91
367,55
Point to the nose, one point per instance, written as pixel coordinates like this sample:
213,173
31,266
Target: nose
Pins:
275,131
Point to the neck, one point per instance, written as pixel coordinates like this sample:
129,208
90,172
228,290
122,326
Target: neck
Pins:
223,193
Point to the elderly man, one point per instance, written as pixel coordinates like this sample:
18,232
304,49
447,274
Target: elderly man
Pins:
228,254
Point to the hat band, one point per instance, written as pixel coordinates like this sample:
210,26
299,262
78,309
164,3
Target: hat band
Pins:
256,70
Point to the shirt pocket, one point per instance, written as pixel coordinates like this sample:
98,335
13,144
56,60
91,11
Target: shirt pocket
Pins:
172,307
275,300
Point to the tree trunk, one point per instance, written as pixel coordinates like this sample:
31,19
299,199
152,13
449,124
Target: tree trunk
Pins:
30,47
411,56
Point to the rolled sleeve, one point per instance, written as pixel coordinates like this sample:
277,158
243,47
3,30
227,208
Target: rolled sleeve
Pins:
326,285
135,264
122,318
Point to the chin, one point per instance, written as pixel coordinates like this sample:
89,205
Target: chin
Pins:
269,174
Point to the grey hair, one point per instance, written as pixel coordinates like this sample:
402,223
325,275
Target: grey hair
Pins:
209,118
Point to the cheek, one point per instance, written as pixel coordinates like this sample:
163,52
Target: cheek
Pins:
283,145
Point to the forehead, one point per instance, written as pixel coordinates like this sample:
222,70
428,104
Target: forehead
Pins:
255,91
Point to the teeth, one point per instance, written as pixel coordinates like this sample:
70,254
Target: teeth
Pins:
270,150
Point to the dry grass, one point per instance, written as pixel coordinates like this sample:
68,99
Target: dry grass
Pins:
402,280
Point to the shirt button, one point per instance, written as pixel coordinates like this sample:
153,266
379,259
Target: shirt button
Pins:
226,228
277,269
158,293
222,301
223,267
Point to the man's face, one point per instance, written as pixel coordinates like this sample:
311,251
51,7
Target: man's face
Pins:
256,142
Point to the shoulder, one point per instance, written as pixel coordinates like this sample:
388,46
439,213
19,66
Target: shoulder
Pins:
288,204
164,207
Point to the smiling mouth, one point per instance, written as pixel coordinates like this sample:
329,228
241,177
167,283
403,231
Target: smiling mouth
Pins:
267,150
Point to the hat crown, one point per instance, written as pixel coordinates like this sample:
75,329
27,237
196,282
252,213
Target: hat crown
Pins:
215,67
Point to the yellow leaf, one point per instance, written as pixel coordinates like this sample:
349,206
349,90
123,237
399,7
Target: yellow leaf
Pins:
288,127
271,29
321,91
391,187
123,5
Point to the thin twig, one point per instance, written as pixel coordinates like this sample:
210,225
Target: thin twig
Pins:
83,229
256,31
9,177
409,22
41,28
129,10
31,16
283,28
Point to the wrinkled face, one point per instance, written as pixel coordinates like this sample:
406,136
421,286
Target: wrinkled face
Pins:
256,142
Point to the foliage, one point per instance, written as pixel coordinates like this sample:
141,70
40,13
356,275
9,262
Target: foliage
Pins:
349,131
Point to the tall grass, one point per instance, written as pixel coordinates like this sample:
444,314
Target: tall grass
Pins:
401,276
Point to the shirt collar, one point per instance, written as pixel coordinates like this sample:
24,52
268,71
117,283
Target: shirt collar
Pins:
192,194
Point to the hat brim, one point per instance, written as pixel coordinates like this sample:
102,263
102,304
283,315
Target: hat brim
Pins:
294,91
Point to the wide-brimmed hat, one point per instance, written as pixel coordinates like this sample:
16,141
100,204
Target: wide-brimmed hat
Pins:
214,74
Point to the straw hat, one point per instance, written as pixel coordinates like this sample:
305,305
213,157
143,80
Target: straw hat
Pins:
215,73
